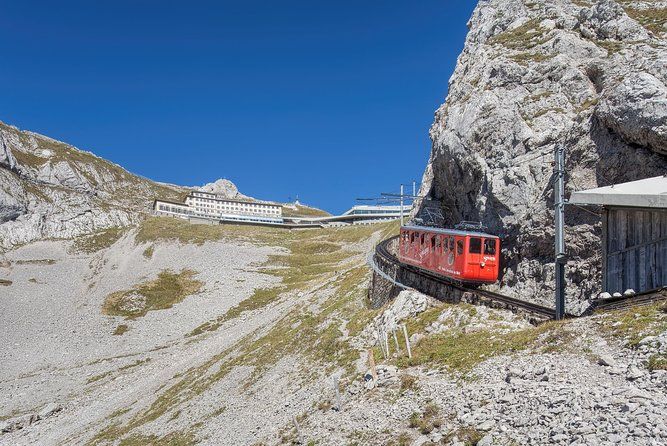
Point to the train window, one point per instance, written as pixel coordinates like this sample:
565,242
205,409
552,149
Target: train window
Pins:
412,237
432,243
475,245
438,244
459,247
490,246
451,243
421,240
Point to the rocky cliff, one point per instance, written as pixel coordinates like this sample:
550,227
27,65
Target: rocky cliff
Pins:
533,74
49,189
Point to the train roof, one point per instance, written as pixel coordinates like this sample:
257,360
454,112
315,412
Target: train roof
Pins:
448,231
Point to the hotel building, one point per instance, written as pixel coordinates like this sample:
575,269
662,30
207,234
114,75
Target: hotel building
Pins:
199,204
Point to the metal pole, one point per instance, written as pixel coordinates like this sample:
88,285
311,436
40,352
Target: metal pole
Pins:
401,205
559,215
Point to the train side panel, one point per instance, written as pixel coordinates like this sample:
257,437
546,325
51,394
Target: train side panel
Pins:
473,258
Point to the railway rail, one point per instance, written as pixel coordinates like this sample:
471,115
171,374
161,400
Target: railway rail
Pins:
387,264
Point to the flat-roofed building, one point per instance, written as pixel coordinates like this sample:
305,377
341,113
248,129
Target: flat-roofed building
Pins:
200,204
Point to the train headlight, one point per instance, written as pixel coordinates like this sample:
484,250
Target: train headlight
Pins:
483,264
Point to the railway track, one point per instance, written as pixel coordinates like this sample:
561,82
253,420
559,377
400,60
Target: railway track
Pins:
625,302
387,262
537,313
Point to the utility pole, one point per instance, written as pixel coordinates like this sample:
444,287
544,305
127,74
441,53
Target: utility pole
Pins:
401,204
559,216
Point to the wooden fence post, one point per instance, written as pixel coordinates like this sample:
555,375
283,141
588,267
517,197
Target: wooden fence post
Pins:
407,341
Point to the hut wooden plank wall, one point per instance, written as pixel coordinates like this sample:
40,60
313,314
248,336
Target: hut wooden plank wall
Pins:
634,249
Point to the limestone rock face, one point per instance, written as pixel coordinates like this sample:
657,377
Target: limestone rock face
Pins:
223,187
590,76
49,189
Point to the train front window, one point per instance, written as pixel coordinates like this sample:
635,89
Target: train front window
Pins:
451,243
475,245
459,247
490,246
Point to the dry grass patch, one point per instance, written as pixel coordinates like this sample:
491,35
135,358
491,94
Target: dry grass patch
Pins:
304,211
148,252
121,330
459,350
634,324
165,291
653,19
525,37
89,244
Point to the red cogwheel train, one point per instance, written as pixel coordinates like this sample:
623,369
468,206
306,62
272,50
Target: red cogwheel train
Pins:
461,255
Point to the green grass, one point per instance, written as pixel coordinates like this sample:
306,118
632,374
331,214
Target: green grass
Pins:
426,421
653,19
97,241
111,436
525,37
459,351
525,57
148,252
634,324
165,291
35,262
657,362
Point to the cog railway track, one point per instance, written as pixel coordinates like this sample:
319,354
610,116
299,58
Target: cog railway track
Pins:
389,264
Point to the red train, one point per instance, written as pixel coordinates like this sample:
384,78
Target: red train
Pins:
466,256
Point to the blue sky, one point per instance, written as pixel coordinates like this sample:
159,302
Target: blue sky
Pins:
328,100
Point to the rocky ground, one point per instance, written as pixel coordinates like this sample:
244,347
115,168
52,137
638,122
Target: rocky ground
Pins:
278,319
577,384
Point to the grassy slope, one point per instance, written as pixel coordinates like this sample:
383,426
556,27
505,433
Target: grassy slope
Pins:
324,274
304,211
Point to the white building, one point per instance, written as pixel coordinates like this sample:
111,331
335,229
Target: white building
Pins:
210,206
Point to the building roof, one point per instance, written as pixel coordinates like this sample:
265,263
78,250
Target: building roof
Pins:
646,193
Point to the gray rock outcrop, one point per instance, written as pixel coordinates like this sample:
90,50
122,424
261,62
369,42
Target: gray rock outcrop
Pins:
590,76
223,187
49,189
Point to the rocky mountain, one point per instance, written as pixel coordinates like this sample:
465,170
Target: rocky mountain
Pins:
590,76
225,188
50,189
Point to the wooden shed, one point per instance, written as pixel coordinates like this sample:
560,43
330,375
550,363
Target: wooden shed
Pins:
634,233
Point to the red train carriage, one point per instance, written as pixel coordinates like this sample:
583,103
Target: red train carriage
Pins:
467,256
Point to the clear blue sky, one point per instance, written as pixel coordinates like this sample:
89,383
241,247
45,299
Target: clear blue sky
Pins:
328,100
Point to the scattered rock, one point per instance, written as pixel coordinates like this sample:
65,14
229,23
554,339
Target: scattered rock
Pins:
606,360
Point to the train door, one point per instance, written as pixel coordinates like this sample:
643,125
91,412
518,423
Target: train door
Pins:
431,259
437,254
474,257
489,270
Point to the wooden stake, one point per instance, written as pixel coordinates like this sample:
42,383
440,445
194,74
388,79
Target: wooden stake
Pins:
298,430
339,403
398,349
407,341
381,344
386,342
371,364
